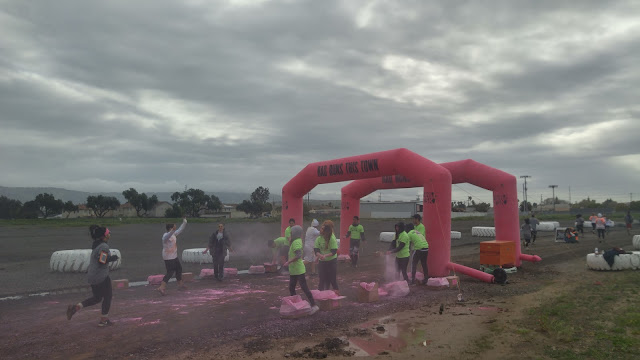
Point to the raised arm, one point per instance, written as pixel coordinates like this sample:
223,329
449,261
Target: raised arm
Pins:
181,228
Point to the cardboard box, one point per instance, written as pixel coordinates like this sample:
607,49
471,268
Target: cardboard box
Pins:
497,252
365,296
330,304
187,277
270,268
120,284
453,281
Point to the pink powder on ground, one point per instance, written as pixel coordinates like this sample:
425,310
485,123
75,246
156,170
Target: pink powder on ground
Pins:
367,286
323,295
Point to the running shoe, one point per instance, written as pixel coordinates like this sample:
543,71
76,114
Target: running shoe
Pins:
106,322
314,309
71,309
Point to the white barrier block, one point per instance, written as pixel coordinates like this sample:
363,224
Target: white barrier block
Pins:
483,231
195,256
387,236
636,242
548,226
456,235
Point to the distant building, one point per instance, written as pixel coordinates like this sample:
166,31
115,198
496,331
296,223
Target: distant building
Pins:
391,209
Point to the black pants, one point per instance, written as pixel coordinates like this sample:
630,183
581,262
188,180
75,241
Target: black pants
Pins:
218,263
328,274
101,292
601,233
402,264
293,279
580,228
593,226
534,235
421,256
354,250
172,266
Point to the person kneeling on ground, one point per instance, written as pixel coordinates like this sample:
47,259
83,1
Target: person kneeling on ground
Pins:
296,267
280,249
98,275
570,235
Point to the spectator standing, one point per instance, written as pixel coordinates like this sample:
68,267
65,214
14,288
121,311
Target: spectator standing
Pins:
628,220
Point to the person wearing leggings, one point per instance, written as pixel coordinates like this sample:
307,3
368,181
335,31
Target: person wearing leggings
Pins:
326,249
98,275
170,256
400,247
297,269
421,247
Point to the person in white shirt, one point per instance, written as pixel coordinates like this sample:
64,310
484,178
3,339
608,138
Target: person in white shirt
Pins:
170,256
309,241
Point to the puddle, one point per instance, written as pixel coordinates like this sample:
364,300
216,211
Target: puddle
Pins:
385,335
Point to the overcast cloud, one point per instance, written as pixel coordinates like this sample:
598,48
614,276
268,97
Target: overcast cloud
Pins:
231,95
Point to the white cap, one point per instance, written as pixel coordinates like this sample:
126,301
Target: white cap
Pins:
315,223
599,214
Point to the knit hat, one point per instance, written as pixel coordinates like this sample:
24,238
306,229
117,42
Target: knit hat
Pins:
296,232
315,223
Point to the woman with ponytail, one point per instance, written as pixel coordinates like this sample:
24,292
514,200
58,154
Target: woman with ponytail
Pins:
98,275
326,249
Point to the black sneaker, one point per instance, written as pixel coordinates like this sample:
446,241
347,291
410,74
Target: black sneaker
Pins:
71,309
106,322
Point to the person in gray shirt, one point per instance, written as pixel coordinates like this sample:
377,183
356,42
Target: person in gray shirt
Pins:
533,222
98,275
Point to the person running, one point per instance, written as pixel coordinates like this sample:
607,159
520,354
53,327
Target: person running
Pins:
170,256
218,244
326,250
309,243
593,219
287,231
580,223
296,267
533,222
279,248
400,247
420,254
526,231
628,220
601,225
355,234
98,275
418,225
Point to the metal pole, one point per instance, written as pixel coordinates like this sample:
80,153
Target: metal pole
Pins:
553,189
525,191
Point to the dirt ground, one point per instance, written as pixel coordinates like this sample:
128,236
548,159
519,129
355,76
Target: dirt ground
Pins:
239,317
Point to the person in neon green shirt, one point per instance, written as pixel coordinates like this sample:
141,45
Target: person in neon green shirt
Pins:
326,248
421,251
296,267
355,234
280,250
400,247
287,231
419,226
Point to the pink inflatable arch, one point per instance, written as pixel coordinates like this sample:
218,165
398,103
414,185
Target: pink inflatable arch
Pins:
505,203
435,179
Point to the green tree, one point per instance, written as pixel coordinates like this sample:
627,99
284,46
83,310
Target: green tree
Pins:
458,206
634,205
522,206
69,207
102,204
609,203
587,204
193,201
9,208
622,207
174,212
483,207
258,204
48,205
30,210
140,202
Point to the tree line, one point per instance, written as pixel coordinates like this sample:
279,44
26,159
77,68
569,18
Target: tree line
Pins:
191,202
587,203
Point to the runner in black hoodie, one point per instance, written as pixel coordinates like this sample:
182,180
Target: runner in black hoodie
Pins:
98,275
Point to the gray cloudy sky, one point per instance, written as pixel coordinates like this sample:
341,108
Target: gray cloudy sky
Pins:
231,95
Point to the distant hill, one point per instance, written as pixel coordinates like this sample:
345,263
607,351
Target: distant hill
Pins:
25,194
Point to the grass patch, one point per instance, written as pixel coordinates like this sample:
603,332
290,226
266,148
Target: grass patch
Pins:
112,222
591,321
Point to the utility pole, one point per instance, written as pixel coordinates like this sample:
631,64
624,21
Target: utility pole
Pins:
569,196
630,198
553,189
525,191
